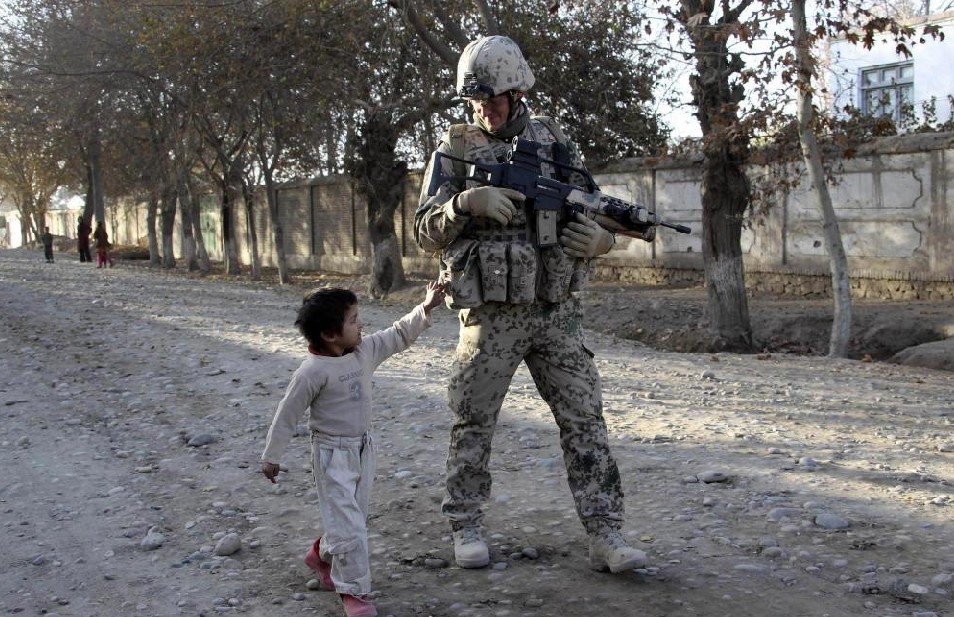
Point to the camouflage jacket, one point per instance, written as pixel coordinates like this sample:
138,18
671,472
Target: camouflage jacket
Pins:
481,260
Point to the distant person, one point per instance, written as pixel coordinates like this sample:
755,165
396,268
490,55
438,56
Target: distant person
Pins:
47,238
333,384
83,232
101,236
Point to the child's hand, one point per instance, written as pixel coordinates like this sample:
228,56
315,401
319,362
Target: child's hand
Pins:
271,471
434,296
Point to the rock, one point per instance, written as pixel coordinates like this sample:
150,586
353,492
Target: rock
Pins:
828,520
229,544
153,540
710,477
808,463
781,514
201,439
936,355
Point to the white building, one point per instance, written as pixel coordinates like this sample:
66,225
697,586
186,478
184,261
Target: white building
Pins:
880,81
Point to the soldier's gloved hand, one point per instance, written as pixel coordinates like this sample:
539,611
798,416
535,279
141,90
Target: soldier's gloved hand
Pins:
584,239
490,202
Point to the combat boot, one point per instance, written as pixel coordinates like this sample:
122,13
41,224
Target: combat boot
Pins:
470,550
609,551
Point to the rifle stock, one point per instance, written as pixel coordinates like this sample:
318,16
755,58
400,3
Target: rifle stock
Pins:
547,197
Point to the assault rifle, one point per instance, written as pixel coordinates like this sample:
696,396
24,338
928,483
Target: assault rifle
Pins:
547,197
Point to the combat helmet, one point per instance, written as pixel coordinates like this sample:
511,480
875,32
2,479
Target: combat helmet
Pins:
492,65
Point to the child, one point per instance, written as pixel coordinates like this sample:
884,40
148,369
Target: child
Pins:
47,239
334,385
102,246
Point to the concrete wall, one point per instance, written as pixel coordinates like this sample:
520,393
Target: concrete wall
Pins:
893,200
894,205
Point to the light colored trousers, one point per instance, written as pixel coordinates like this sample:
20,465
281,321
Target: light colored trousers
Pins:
344,471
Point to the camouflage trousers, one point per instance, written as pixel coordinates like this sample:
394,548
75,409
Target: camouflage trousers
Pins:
494,339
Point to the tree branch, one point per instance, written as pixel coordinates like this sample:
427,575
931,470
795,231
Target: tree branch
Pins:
489,20
409,10
451,29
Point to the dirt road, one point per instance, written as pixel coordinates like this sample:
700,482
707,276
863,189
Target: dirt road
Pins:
135,405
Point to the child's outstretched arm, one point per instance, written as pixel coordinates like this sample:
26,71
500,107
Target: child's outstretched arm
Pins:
385,343
434,296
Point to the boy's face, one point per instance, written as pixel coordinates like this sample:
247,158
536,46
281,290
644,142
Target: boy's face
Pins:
350,336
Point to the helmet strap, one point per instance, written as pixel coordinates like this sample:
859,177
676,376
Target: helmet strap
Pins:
512,102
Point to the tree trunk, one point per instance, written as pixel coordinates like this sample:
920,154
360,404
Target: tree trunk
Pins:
230,193
278,232
724,185
89,212
95,191
188,237
39,222
168,214
726,192
151,228
26,230
387,269
228,242
811,154
205,264
248,196
380,176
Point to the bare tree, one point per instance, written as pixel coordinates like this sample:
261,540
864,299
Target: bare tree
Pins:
30,169
58,69
176,93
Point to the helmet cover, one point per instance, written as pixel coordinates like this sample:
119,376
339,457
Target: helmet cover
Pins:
492,65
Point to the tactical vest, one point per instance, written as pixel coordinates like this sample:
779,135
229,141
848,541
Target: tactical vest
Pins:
491,263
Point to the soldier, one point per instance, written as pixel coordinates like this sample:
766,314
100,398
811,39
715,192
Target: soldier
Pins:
516,304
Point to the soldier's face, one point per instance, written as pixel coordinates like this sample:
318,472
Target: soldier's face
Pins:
495,110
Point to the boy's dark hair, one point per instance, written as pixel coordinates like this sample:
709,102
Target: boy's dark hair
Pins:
322,312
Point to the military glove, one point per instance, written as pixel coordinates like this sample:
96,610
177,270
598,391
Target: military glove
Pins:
490,202
585,239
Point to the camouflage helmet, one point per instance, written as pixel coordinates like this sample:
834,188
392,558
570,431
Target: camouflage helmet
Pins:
492,65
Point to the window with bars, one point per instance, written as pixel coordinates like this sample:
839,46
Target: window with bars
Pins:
887,90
